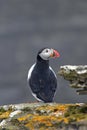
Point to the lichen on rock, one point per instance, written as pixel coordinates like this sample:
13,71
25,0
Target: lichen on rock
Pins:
76,75
43,116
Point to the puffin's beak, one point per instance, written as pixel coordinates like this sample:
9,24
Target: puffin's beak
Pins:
54,54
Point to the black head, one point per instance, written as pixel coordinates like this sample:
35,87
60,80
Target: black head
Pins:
46,53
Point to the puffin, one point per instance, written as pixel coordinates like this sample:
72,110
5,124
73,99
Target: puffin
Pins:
41,77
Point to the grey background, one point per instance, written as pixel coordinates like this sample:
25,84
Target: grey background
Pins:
28,25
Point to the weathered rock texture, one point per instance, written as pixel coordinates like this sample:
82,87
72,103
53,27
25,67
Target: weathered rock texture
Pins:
40,116
77,75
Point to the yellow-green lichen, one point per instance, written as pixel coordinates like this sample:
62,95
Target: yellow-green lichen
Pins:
53,116
48,116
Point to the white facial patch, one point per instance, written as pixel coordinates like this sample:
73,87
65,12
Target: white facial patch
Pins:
45,54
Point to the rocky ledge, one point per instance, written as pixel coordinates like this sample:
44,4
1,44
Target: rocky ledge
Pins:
76,75
40,116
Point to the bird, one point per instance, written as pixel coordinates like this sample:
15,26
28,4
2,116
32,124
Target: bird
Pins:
41,77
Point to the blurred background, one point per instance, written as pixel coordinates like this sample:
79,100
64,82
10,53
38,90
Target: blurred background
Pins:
29,25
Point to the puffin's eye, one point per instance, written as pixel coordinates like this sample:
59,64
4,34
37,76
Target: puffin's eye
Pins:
46,51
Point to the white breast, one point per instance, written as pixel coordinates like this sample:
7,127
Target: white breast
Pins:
53,71
30,71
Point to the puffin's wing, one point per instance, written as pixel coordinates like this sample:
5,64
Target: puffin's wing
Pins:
33,79
44,88
50,86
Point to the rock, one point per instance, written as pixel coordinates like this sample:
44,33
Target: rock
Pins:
3,123
12,114
43,116
76,75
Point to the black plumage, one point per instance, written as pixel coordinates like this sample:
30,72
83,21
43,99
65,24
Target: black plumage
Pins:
42,80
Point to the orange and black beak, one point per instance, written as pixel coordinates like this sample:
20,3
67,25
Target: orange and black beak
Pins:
54,54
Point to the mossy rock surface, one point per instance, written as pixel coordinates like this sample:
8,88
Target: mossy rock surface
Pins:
76,75
41,116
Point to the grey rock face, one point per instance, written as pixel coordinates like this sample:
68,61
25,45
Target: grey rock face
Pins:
43,116
76,75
